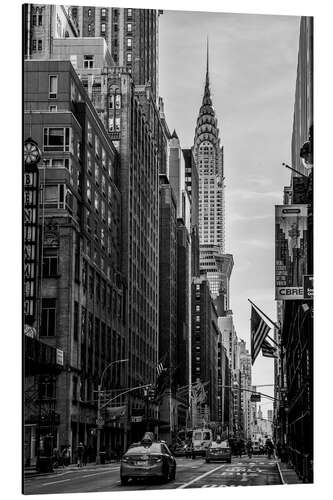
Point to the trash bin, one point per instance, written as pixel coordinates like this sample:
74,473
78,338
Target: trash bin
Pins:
102,456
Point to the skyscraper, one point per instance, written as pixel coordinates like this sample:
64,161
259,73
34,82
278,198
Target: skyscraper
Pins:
208,156
131,36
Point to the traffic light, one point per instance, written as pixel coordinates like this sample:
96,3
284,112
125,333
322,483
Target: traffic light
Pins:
151,393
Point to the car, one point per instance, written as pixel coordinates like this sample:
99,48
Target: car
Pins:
218,451
148,459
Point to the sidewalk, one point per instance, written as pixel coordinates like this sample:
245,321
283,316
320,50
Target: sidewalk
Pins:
287,473
32,472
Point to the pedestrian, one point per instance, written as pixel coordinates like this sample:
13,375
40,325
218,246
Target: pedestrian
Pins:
80,451
85,455
240,447
66,454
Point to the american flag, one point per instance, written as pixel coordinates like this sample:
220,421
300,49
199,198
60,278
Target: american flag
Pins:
268,350
259,330
160,369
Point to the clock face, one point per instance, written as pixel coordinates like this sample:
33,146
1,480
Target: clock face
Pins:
31,153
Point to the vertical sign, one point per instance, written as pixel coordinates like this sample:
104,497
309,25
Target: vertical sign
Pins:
30,229
290,251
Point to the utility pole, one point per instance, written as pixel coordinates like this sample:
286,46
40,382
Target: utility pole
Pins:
100,420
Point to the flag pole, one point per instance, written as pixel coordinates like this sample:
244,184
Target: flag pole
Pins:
269,319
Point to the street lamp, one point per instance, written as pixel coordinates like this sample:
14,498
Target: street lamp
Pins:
99,420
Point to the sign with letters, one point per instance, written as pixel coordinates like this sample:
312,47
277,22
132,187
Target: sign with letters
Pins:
30,234
308,286
290,251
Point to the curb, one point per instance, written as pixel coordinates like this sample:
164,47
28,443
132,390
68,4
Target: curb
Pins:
280,472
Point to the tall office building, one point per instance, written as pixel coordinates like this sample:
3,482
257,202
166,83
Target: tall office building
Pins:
131,36
208,156
42,24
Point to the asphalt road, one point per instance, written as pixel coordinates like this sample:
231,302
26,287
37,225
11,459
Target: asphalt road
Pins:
190,474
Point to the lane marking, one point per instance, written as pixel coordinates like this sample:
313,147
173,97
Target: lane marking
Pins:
199,477
96,473
57,482
74,478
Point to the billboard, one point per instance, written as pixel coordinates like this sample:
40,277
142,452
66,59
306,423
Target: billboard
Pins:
290,251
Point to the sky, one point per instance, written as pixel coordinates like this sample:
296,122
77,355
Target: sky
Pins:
253,64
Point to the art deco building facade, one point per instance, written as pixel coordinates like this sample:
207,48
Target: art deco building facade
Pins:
208,156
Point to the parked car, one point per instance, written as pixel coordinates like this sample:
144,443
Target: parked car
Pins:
218,451
148,459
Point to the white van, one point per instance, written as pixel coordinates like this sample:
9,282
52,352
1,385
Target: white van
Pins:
199,442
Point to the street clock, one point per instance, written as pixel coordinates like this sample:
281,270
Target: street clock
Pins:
32,154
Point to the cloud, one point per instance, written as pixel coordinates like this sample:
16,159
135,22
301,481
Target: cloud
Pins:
248,194
237,217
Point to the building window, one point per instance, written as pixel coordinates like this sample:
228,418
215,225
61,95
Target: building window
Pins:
56,139
96,201
50,263
129,27
103,12
103,158
97,147
88,62
53,86
129,13
117,127
89,134
129,57
34,20
74,389
96,173
40,20
53,196
48,317
89,190
118,101
40,44
34,45
89,28
129,43
89,12
111,102
111,124
103,26
76,321
53,108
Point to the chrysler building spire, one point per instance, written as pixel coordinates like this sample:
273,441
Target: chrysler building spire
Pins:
208,156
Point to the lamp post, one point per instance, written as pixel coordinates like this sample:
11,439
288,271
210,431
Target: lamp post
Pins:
99,420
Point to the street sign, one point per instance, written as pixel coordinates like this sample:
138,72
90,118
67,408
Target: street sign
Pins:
255,398
308,286
60,357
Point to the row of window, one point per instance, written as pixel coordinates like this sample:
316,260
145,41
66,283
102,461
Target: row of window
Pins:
37,43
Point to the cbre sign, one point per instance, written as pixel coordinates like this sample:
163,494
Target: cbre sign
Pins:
308,286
